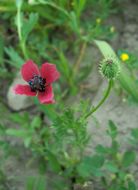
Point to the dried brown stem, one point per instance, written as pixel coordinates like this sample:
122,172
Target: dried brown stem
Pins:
81,55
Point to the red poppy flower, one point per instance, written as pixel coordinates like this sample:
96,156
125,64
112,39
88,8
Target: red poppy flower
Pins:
39,81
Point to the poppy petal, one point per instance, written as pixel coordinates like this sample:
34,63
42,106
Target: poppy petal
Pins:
49,72
47,96
23,90
29,69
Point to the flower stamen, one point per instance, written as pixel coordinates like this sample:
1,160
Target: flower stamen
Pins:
37,83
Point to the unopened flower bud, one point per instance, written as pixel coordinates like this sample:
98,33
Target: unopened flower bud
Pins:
110,68
113,176
129,177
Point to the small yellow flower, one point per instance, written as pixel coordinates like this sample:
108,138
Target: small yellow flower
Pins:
98,20
112,29
124,57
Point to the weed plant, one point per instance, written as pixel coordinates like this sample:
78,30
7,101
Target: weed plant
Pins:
58,31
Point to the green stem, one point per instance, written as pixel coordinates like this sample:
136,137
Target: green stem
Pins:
24,49
19,29
102,100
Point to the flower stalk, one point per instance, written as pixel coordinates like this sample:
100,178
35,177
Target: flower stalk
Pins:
110,84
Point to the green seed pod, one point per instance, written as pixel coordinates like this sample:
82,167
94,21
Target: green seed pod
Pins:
110,68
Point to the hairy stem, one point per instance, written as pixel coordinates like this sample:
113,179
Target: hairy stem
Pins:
102,100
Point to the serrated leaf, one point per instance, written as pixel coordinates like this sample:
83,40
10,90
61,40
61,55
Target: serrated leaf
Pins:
131,185
97,161
73,22
90,166
114,148
112,130
101,149
36,122
53,162
27,141
64,65
84,168
16,117
111,167
128,158
28,25
16,59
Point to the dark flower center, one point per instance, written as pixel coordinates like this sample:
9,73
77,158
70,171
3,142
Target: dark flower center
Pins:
37,83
